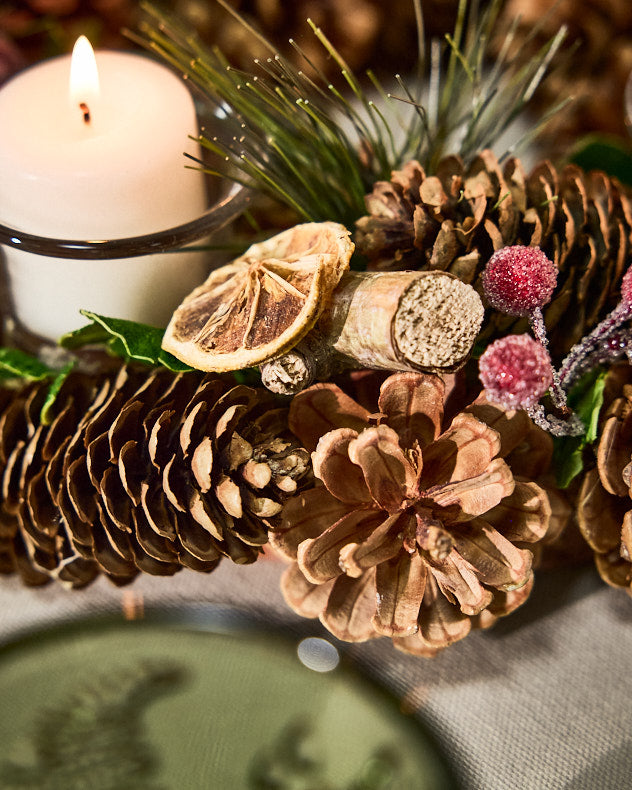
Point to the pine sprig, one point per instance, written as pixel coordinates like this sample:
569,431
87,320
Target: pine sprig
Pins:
319,147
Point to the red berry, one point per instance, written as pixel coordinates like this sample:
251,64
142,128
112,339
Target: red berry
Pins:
516,371
626,288
519,279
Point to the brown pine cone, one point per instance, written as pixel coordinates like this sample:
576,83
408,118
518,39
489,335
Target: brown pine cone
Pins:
418,530
141,472
455,219
604,510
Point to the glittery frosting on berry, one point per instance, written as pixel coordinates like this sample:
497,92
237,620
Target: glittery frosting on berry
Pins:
519,279
626,288
516,371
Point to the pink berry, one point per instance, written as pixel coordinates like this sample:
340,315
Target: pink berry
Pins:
626,288
516,371
518,279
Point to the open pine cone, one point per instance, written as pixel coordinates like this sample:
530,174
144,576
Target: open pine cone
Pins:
140,472
604,509
455,219
417,531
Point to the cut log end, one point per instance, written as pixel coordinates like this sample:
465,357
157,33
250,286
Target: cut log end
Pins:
437,322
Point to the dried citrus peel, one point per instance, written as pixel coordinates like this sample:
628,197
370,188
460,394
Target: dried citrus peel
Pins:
262,304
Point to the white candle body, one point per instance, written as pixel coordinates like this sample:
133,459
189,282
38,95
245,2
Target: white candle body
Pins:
123,174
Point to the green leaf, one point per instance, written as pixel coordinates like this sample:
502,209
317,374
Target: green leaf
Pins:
568,458
586,400
251,377
172,363
602,152
46,413
590,405
125,338
85,336
18,364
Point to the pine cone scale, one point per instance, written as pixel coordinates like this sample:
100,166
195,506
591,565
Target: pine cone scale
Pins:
400,586
155,509
350,607
41,507
153,544
130,470
98,457
79,491
197,542
199,511
442,624
117,505
34,537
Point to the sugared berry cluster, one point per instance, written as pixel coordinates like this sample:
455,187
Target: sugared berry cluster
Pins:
516,370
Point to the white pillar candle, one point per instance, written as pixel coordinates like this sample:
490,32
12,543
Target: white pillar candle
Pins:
94,162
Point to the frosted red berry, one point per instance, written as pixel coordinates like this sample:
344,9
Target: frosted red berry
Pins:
519,279
626,288
516,371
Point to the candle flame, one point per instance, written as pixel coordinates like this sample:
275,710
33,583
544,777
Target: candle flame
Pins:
84,77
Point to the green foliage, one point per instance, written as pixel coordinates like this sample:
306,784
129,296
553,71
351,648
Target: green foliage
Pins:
139,342
586,400
18,364
319,147
46,414
127,339
602,152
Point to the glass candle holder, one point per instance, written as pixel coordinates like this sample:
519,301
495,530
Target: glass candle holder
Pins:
141,278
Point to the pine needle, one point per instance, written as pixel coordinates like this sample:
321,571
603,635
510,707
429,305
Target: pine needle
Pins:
318,146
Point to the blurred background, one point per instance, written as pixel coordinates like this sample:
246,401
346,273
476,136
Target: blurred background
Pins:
369,34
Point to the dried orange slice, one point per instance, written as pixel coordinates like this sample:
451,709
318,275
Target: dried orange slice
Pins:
262,304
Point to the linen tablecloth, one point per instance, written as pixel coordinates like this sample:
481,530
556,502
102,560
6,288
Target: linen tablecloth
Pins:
540,701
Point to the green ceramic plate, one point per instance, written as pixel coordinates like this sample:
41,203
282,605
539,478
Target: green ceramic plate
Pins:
198,699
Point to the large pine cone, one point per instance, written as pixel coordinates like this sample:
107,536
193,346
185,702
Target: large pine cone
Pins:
140,472
604,508
417,529
455,219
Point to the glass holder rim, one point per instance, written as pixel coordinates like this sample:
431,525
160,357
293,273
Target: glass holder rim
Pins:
228,207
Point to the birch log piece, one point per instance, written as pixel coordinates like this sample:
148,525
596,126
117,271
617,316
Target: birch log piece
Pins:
425,321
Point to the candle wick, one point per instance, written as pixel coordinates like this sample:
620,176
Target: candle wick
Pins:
86,111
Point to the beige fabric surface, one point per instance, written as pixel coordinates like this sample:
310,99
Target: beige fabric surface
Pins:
541,701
